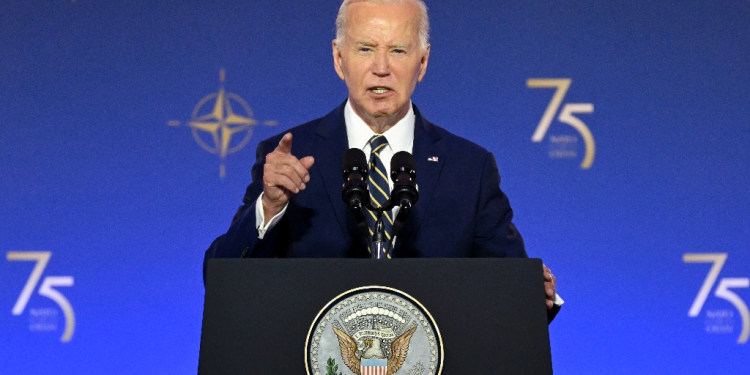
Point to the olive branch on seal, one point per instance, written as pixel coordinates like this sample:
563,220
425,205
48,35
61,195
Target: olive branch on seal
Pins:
332,367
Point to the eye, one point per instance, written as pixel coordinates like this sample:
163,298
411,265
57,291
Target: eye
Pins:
399,51
364,49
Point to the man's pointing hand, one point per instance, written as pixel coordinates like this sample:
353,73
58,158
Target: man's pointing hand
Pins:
283,176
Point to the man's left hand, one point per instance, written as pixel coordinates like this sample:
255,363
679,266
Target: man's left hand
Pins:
550,285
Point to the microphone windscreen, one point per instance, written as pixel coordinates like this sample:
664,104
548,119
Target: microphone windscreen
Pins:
354,158
403,159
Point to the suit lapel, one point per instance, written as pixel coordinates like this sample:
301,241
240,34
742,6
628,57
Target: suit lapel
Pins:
331,145
426,146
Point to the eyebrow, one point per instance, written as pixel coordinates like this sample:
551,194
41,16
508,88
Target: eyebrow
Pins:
368,44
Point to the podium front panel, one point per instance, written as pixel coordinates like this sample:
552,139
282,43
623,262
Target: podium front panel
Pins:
491,313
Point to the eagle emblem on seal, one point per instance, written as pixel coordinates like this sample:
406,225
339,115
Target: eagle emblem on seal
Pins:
359,356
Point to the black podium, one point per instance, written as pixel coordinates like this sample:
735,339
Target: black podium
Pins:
491,313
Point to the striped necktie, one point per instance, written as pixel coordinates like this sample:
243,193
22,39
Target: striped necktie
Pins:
380,190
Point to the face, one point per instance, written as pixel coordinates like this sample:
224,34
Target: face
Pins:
380,60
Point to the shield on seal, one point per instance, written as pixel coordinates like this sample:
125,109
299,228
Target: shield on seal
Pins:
374,366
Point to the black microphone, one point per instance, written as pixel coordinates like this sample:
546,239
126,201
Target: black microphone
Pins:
404,175
354,191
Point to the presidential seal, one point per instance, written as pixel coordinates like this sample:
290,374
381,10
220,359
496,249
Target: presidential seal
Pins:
374,330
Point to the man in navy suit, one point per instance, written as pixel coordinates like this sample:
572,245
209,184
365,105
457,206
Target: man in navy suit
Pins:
294,207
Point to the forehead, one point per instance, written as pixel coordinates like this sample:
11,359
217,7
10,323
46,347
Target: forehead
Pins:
383,22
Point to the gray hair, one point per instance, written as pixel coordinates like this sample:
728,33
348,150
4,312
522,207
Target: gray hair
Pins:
424,21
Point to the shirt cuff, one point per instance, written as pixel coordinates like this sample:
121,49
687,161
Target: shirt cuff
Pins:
260,218
558,301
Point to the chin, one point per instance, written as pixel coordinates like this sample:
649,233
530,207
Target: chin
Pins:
382,111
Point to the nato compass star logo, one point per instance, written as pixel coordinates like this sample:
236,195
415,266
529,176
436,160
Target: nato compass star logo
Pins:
222,123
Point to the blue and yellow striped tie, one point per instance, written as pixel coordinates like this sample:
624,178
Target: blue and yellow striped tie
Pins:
380,190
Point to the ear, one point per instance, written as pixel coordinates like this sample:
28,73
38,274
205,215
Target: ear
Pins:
337,60
423,63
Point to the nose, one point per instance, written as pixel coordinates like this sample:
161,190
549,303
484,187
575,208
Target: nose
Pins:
381,63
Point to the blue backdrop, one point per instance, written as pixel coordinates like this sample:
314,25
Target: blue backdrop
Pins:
108,165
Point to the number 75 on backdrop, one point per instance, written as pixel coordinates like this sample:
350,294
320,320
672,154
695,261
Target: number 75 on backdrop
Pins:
722,291
47,289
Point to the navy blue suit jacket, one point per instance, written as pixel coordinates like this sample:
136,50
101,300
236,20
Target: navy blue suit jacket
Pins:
461,210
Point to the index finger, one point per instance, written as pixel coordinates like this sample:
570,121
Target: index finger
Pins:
285,145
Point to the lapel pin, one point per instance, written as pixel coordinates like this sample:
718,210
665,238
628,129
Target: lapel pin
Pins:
433,159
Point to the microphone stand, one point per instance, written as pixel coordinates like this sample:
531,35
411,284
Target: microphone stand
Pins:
379,244
359,218
400,220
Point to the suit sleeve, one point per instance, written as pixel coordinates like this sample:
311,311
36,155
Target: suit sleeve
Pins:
241,240
495,234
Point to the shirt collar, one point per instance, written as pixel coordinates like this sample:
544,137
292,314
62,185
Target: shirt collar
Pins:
400,136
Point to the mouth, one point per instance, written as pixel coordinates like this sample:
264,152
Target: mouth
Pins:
380,90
